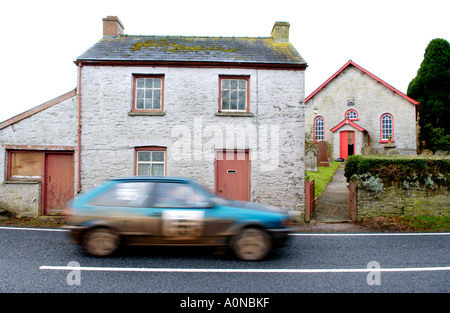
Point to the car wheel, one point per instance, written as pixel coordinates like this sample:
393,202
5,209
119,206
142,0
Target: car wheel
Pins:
252,244
101,242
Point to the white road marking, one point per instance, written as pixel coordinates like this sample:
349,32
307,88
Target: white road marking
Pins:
369,234
32,228
240,270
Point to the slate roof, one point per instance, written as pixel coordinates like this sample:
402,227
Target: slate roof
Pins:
243,50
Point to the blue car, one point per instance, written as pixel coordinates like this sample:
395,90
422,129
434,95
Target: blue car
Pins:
172,211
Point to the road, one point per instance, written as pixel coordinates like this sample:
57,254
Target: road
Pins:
42,260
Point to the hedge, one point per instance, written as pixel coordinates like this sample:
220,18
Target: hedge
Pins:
400,169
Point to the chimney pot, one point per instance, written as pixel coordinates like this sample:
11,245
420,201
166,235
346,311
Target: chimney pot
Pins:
112,27
280,32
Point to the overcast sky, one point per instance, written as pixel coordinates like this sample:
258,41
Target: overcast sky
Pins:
41,39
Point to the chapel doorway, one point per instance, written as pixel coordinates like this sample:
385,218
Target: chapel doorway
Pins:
347,143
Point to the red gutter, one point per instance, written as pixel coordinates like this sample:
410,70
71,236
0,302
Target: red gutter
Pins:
187,64
79,128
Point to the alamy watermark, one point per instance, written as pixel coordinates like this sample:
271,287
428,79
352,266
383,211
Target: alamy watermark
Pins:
74,276
200,142
374,276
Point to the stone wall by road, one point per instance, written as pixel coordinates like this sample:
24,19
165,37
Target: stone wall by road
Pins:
398,201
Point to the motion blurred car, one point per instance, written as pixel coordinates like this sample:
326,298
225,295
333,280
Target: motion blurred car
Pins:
172,211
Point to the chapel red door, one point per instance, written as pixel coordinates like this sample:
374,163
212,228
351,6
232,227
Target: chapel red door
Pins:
58,182
343,144
347,143
233,174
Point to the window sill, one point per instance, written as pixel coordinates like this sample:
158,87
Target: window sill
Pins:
386,141
20,182
240,114
161,113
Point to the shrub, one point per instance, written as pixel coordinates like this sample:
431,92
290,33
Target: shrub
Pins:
405,171
372,184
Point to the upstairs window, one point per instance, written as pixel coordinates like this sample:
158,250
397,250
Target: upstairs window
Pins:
234,96
148,93
319,128
386,127
351,115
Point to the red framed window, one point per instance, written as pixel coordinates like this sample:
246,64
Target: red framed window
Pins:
386,127
234,94
351,115
319,128
148,93
151,161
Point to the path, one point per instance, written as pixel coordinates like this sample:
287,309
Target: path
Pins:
333,204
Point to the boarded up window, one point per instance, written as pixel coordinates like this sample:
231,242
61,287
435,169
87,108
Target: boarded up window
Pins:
26,165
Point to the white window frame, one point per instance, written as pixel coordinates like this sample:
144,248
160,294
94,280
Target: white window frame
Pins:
351,115
242,88
319,129
387,127
151,161
148,91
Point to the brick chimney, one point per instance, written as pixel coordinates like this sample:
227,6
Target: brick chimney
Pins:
112,26
280,32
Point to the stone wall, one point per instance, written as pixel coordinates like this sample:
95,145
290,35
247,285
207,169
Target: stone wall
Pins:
23,199
398,201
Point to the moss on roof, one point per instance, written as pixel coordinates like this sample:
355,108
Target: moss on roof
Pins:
194,49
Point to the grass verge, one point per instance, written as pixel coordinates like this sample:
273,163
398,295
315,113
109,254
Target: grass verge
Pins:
31,222
322,177
407,223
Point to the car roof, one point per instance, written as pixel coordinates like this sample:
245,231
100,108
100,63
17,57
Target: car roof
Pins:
154,179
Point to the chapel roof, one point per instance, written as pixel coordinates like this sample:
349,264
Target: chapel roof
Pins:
351,63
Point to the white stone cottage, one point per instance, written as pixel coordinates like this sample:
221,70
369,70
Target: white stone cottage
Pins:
225,111
355,109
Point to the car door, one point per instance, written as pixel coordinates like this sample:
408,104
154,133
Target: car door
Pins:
123,206
186,213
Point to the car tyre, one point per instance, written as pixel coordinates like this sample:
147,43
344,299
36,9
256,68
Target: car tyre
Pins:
101,242
252,244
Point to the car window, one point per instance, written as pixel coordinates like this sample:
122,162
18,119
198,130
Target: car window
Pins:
126,194
179,195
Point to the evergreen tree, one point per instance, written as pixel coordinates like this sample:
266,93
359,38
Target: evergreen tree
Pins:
431,87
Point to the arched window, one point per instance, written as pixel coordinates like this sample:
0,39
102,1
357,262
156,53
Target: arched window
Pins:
319,128
351,115
386,127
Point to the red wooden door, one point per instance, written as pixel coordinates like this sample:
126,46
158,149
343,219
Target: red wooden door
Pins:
58,183
343,144
233,174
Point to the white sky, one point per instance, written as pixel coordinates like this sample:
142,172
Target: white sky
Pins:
41,39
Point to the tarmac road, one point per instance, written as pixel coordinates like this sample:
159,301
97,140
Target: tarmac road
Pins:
41,260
